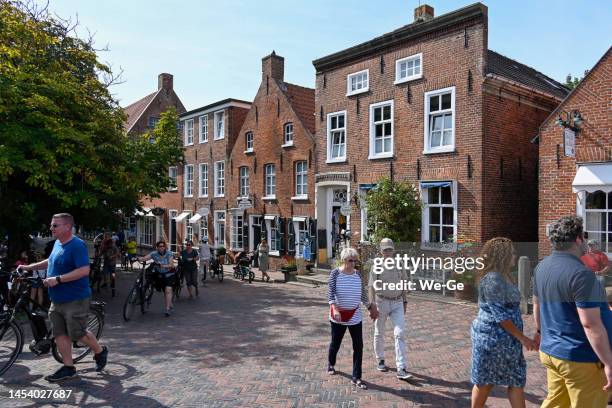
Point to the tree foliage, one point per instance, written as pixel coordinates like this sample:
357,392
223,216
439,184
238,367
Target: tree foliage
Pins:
394,211
62,142
572,82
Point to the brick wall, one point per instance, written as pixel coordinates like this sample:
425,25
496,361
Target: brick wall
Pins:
593,144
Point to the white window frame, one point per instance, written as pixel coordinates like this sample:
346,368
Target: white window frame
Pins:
425,244
219,125
219,181
203,227
173,178
303,185
244,181
270,182
219,240
288,142
249,146
203,190
188,183
399,62
188,229
270,229
583,212
189,132
349,77
426,122
146,231
204,128
382,155
237,233
299,248
341,159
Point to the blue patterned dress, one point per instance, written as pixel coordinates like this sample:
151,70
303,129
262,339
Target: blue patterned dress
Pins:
497,356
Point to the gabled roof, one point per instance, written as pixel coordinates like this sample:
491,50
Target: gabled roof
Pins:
135,110
302,100
505,67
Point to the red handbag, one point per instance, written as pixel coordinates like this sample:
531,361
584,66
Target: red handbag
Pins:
345,315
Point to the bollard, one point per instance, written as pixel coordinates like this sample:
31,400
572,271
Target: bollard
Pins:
524,278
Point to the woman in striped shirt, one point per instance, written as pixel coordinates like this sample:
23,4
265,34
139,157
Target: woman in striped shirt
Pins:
345,292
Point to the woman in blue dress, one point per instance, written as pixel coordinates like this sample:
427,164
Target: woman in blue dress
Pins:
497,331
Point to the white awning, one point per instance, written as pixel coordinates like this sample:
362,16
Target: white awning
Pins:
593,177
138,213
195,219
299,219
269,217
181,217
147,212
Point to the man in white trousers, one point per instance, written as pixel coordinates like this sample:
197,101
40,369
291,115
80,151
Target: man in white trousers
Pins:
391,304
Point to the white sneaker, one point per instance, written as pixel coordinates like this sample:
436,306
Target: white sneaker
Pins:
402,374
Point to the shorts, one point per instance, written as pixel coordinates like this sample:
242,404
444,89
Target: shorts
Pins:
132,257
168,280
191,277
109,269
69,318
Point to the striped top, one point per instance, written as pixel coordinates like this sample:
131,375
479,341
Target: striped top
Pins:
346,291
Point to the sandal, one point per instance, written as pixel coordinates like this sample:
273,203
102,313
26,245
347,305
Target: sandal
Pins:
358,383
331,370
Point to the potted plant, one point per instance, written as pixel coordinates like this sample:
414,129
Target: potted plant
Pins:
289,268
300,265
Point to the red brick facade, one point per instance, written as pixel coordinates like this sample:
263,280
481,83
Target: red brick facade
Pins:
492,129
141,117
276,106
593,147
208,151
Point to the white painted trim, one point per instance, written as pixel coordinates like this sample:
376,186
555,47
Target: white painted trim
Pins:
251,232
298,198
444,149
348,82
175,188
425,214
185,131
328,157
215,128
185,180
287,144
200,178
216,179
410,78
383,155
200,129
272,197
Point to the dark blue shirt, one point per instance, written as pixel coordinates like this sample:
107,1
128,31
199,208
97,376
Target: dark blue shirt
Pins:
66,258
562,284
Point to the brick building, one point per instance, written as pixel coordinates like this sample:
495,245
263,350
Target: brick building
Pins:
209,134
272,168
575,144
431,104
142,116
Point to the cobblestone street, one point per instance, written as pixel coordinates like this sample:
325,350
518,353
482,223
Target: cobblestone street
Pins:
263,345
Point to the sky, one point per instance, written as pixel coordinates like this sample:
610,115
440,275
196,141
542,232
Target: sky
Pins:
214,48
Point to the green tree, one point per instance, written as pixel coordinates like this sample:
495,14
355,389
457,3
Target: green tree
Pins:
572,82
62,141
394,211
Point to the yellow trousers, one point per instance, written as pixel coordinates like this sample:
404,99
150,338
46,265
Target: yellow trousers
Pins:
573,384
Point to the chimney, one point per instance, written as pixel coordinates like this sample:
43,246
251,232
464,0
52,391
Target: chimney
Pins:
423,13
165,81
273,66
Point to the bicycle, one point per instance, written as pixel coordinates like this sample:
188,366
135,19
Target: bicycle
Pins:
95,273
141,292
177,286
12,336
215,269
242,269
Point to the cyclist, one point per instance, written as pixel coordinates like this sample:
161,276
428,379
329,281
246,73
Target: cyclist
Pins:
131,249
165,259
204,257
110,254
189,258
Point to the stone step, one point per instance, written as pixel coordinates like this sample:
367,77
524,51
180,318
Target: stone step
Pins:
313,279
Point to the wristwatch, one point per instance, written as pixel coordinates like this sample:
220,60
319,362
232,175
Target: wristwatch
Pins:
57,279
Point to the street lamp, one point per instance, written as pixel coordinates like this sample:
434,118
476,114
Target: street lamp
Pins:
572,120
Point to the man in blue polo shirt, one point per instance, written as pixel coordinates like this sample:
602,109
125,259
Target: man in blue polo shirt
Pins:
68,283
575,322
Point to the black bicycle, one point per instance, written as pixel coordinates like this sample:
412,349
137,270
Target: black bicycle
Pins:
216,269
141,292
12,336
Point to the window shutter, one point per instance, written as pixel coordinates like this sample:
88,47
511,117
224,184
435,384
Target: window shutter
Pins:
291,245
312,226
281,235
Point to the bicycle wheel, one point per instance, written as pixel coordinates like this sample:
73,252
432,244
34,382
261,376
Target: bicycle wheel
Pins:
147,294
177,289
95,324
220,276
251,276
133,299
113,281
11,344
212,273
